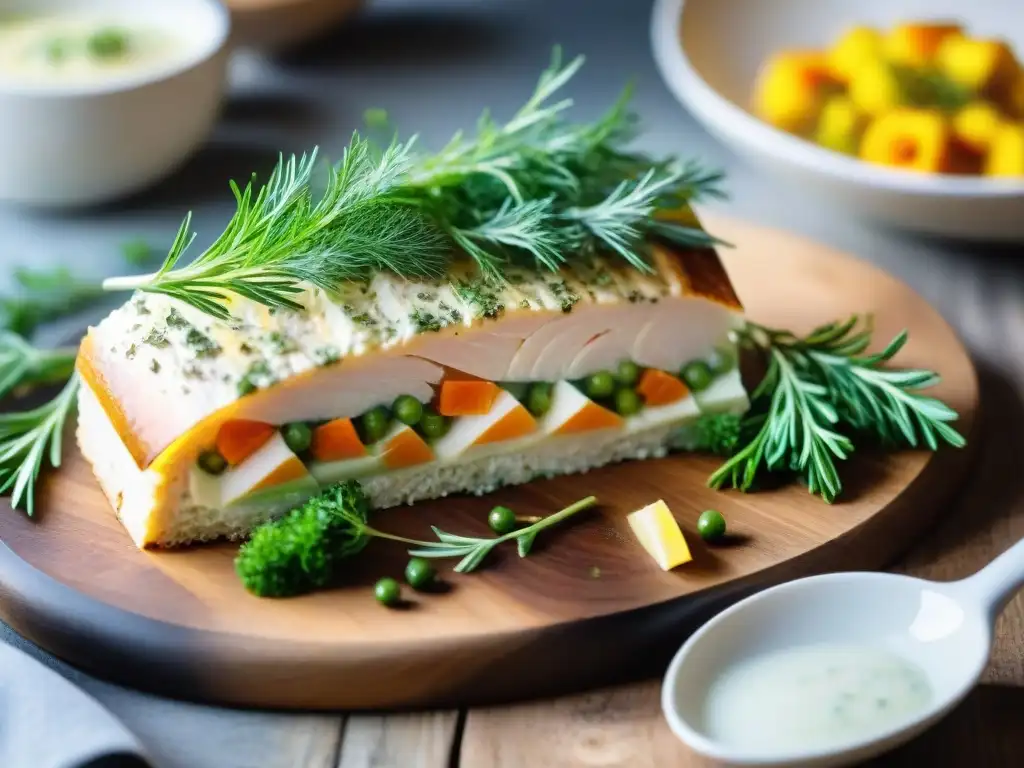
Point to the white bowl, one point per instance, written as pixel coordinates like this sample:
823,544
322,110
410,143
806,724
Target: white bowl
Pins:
74,144
709,53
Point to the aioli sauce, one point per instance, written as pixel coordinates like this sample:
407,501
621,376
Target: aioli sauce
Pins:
816,697
84,48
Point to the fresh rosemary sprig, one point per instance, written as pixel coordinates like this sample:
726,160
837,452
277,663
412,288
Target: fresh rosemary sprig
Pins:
29,438
24,366
820,394
44,295
537,190
474,550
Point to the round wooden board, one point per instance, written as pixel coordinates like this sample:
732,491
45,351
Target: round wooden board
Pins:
588,607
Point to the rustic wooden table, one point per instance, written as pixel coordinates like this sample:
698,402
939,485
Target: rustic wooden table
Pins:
433,66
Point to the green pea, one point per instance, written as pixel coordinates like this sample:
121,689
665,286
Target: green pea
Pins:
375,423
538,399
388,592
627,402
599,385
419,573
723,361
212,462
407,409
711,525
502,520
433,425
297,436
107,43
627,373
697,375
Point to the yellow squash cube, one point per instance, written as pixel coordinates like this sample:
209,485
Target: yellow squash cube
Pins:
791,90
911,139
975,125
857,46
1006,152
915,44
841,125
659,534
876,88
986,67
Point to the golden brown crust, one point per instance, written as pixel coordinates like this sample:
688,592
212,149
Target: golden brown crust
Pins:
702,275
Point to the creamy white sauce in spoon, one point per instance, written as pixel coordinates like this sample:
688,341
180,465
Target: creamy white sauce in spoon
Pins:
815,697
77,48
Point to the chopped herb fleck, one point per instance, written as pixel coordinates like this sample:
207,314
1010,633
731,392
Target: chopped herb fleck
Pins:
524,304
156,339
193,371
328,355
201,344
154,366
245,348
425,296
175,319
282,343
257,376
478,294
425,321
140,306
364,319
130,352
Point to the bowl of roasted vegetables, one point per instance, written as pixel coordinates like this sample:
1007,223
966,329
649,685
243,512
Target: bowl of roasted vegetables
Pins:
908,113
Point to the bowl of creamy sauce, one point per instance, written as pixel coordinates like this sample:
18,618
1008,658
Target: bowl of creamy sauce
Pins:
102,98
78,48
816,697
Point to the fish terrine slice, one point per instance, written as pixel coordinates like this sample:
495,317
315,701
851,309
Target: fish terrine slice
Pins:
161,381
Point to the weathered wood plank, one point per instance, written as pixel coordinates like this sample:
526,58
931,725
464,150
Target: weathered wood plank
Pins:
398,741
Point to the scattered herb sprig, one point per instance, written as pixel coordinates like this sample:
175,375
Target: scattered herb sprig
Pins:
301,551
30,438
537,190
820,396
43,295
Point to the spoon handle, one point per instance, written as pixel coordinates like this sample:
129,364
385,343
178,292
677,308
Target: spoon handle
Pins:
995,584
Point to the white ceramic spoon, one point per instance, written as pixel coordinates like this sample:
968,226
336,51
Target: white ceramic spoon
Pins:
943,629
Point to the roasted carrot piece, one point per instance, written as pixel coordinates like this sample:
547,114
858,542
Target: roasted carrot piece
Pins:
239,439
660,388
467,397
590,416
515,423
336,440
405,449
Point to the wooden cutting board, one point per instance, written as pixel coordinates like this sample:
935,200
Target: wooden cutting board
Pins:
588,607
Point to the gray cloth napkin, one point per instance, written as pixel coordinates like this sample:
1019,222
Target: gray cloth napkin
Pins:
46,722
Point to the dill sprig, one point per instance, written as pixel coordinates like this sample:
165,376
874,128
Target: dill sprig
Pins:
819,395
538,190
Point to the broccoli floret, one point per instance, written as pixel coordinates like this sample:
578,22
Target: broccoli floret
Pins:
299,552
